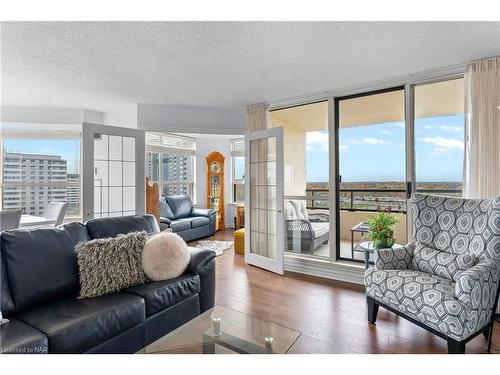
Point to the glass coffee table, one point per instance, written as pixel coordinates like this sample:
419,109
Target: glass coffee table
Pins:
221,330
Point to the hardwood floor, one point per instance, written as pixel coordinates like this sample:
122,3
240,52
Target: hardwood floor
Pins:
331,315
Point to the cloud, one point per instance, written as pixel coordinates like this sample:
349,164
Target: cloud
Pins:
400,125
455,129
317,141
428,127
443,145
368,141
343,147
386,132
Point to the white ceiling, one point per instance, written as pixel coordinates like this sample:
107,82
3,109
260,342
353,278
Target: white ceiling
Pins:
101,66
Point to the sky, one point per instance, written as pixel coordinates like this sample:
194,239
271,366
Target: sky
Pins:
68,149
376,152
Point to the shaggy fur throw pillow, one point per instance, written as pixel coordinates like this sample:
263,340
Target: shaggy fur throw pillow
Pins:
110,264
165,256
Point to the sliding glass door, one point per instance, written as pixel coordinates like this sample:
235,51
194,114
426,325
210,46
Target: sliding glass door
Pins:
371,166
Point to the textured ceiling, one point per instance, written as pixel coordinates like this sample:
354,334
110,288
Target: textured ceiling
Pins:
100,66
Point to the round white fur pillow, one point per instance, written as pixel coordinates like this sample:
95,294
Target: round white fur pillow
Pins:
165,256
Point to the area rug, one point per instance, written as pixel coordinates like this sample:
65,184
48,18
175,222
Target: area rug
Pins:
217,246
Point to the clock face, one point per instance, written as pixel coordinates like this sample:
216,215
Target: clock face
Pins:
215,167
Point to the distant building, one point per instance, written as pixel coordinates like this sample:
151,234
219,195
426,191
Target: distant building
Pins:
73,194
31,181
175,169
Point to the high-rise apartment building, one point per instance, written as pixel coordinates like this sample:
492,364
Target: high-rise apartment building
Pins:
73,194
31,181
176,168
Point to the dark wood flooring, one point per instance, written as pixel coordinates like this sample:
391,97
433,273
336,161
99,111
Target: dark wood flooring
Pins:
331,315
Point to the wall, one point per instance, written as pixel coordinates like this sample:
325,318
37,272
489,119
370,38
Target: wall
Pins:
124,116
205,144
41,115
294,155
200,120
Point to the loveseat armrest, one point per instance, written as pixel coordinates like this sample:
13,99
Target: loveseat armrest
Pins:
205,212
478,283
202,263
165,220
396,258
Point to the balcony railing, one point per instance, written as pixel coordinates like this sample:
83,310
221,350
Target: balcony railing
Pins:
370,200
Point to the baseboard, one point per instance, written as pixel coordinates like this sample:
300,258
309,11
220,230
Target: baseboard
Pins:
341,271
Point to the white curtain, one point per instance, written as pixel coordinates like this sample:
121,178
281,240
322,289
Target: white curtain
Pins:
482,129
257,117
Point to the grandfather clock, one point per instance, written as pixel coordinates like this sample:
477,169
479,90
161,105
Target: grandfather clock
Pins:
215,186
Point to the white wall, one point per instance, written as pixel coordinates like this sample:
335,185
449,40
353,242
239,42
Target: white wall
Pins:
124,116
205,144
41,115
191,119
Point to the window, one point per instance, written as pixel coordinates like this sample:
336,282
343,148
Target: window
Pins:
238,169
37,167
439,137
170,161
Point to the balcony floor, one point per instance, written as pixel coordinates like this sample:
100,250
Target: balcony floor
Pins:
345,251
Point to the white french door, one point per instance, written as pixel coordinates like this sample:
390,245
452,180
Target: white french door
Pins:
113,171
264,199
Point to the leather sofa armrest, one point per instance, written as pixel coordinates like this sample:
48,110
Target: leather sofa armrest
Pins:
202,263
206,212
199,259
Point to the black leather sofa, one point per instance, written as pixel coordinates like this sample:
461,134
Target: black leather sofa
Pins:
39,288
191,223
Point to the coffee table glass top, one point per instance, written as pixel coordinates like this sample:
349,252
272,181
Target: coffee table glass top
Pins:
238,333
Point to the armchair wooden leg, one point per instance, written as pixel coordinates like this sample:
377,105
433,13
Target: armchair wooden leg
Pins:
486,333
455,347
490,336
372,309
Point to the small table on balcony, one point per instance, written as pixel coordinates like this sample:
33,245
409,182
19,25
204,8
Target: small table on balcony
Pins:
360,228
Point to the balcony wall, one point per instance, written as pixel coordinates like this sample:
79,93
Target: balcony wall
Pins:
349,219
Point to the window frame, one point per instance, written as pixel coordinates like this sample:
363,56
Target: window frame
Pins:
234,181
32,132
186,148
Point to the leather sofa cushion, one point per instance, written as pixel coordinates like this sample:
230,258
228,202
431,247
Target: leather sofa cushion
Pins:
76,325
180,225
165,209
19,338
181,205
197,222
159,295
113,226
6,303
41,264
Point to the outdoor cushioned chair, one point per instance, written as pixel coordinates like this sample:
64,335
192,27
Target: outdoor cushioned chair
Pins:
303,233
447,279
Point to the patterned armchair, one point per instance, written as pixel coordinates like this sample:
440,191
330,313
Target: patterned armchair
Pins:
446,279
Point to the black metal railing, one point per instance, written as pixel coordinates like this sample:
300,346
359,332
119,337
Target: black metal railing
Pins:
370,200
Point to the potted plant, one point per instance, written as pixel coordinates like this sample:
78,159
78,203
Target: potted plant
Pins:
382,229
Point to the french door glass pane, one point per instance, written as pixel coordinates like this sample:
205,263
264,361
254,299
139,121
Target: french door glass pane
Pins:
439,137
114,176
263,197
372,166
